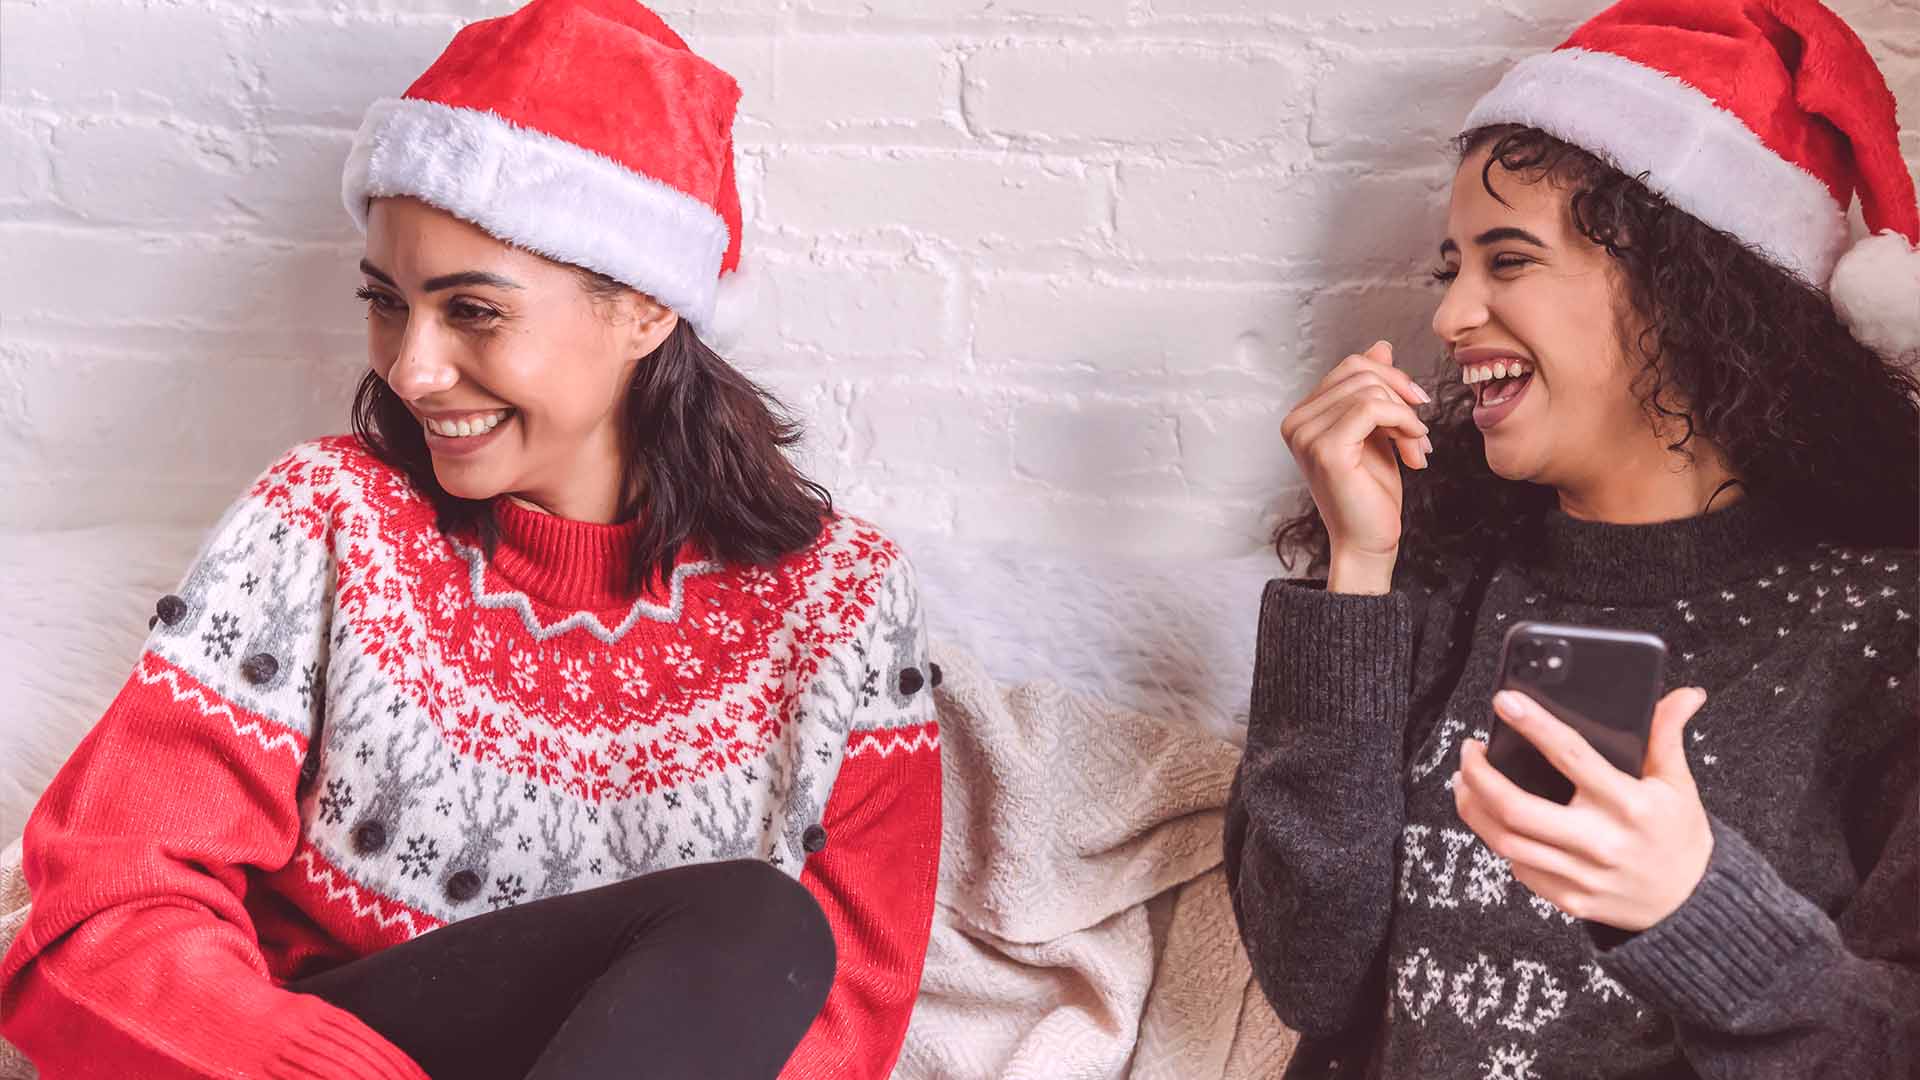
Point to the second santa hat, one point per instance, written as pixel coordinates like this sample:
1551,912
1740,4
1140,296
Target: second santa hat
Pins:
1761,118
583,130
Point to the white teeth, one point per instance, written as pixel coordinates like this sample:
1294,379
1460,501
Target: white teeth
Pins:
1499,369
467,426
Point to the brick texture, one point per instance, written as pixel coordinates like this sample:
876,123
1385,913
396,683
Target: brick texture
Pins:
1037,269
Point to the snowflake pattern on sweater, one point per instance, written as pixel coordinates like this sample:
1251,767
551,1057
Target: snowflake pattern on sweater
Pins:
457,733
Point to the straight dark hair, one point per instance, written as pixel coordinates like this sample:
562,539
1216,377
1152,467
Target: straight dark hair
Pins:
1818,428
706,459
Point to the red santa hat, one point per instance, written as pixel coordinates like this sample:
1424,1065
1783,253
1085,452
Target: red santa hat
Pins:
1761,118
582,130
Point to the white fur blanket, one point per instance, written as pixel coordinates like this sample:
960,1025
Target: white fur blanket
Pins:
1083,928
73,612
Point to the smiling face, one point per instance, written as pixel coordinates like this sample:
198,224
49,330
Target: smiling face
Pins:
514,369
1528,292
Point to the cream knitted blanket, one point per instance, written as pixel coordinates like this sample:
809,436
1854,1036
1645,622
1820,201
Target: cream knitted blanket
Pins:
13,915
1083,928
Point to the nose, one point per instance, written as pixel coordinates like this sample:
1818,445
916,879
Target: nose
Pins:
422,367
1462,309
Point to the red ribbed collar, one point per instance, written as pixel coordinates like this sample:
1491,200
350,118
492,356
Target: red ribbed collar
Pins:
565,563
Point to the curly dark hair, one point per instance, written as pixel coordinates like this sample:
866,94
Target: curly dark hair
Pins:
706,457
1813,424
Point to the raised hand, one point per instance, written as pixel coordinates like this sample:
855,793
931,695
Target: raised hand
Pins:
1349,437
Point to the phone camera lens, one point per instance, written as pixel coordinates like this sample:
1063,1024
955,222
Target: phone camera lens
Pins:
1556,661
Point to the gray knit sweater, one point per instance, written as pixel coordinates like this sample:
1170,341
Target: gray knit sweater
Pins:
1384,931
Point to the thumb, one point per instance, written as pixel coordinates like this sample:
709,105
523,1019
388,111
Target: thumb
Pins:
1667,739
1381,351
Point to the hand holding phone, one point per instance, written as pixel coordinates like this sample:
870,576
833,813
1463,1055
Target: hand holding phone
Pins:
1602,683
1628,851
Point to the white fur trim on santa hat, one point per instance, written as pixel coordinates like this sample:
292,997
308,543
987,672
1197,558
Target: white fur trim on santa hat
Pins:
544,194
1697,155
1876,290
733,308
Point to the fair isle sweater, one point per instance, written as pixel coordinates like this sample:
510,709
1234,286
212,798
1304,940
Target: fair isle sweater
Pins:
347,729
1386,932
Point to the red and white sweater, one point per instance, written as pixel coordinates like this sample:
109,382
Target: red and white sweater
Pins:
347,729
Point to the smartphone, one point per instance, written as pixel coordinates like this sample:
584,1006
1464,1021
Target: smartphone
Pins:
1601,683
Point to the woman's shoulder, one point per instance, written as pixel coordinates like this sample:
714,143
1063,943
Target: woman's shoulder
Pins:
852,568
857,548
334,463
1863,602
311,482
1880,584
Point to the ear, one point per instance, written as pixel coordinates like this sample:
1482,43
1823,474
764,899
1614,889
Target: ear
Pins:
646,321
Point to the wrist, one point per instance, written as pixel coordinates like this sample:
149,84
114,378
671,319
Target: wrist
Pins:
1362,574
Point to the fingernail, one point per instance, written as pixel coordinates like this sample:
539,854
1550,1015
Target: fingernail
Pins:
1421,393
1508,702
1426,443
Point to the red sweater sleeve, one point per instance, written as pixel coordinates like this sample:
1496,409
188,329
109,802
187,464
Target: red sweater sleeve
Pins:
138,958
875,879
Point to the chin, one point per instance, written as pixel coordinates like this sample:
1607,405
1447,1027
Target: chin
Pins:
1513,462
472,484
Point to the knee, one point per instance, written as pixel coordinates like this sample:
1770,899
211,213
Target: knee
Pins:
755,910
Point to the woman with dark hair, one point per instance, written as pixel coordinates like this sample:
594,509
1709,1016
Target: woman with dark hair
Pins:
1653,417
552,726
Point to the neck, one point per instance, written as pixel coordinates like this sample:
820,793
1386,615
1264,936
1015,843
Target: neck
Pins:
593,511
565,562
1663,486
1612,563
590,492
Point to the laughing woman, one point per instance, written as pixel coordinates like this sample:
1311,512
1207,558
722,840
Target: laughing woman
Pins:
553,726
1656,420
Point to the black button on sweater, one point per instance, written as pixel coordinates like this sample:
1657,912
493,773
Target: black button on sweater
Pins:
814,839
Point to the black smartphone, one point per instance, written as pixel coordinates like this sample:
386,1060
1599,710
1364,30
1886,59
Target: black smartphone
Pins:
1601,683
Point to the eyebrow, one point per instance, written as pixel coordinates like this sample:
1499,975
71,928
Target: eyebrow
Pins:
1494,236
444,281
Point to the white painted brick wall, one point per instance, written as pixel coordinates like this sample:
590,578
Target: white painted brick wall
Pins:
1030,268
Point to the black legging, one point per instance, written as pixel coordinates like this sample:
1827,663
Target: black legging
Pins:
711,971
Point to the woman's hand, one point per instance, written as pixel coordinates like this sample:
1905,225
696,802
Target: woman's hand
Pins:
1625,852
1345,436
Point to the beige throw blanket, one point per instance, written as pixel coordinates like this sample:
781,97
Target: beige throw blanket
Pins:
1083,928
13,915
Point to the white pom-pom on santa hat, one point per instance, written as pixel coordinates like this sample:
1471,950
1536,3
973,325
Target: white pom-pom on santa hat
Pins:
1876,290
734,302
